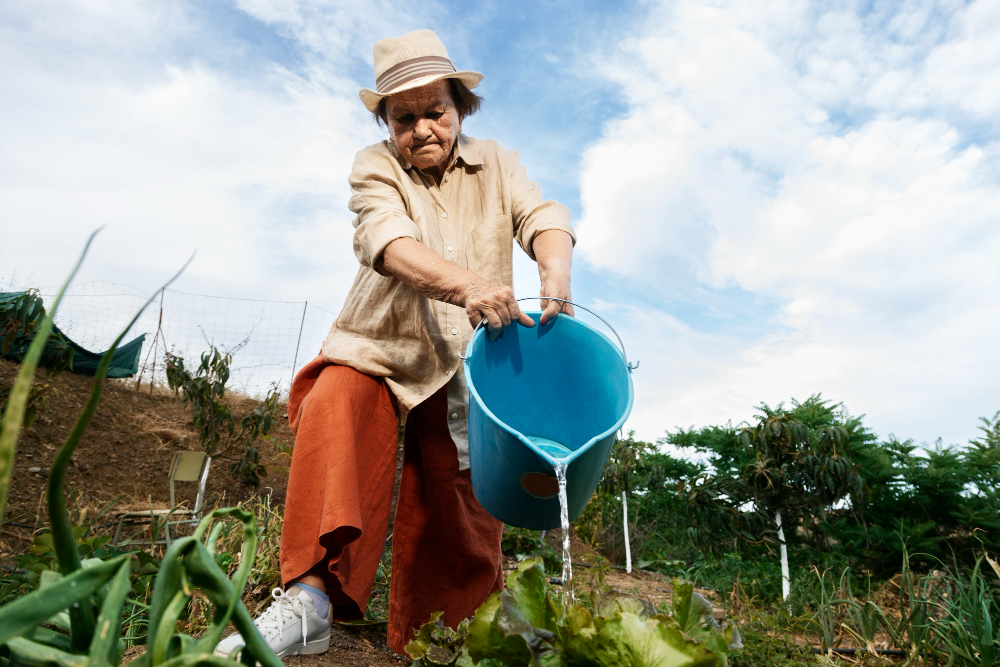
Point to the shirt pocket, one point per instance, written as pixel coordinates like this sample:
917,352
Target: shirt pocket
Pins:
491,247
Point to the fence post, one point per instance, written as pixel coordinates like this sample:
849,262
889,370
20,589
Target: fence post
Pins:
628,545
302,324
159,326
152,373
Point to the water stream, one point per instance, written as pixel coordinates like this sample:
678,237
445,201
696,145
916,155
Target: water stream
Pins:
567,572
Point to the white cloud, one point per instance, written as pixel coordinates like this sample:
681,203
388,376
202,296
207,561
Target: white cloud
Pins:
110,118
841,164
335,29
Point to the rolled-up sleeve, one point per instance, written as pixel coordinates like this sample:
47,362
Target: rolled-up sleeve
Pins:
379,207
532,214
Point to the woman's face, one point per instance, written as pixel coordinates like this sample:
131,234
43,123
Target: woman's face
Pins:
424,124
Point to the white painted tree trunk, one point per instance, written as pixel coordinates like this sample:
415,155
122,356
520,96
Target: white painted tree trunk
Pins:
785,583
628,547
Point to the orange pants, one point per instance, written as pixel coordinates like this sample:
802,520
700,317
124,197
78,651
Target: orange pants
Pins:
446,547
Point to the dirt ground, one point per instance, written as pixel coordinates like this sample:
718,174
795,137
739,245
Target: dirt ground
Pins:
126,454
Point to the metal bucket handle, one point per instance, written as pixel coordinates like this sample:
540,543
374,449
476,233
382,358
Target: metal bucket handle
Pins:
630,365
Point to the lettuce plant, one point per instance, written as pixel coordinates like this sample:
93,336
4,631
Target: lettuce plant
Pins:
522,626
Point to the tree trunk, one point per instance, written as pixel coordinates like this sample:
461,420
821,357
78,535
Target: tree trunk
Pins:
628,547
785,583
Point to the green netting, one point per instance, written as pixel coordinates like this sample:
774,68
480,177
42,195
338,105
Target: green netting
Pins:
20,314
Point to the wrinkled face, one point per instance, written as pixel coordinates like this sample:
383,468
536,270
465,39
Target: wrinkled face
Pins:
424,124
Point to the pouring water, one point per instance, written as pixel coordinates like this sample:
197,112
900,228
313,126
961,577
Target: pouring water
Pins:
567,557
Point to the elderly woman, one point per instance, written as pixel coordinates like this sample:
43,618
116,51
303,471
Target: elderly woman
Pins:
437,213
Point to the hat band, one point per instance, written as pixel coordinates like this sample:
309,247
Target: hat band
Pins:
408,70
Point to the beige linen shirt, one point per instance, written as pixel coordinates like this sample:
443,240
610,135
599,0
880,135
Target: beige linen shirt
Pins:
387,329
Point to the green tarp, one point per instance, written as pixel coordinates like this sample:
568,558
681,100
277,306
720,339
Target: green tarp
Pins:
16,312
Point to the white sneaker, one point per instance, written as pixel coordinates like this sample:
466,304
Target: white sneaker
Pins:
290,626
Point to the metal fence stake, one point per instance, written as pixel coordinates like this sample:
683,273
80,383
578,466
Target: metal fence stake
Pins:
152,373
295,361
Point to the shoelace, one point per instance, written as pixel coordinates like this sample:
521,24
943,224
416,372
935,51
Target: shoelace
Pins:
284,608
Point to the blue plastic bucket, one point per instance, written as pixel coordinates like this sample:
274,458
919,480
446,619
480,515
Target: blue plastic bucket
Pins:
538,396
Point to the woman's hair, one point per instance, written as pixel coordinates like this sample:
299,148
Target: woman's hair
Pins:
466,102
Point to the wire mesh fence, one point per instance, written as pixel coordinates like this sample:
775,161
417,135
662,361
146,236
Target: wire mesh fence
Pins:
269,340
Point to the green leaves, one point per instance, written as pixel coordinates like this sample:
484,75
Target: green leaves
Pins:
689,608
218,428
437,644
516,626
521,626
13,415
189,565
22,316
23,614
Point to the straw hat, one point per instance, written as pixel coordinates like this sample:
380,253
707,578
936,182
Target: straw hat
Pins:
413,60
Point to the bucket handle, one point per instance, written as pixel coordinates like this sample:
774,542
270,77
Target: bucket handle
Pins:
628,363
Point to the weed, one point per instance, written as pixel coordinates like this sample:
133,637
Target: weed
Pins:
377,610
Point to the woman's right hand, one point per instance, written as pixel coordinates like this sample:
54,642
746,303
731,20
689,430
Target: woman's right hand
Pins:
496,303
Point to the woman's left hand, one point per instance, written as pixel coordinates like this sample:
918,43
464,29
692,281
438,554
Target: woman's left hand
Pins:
554,254
555,286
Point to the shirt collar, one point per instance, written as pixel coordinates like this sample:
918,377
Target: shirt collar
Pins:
465,150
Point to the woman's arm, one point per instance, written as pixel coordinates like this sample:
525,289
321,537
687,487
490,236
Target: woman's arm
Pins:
553,250
437,278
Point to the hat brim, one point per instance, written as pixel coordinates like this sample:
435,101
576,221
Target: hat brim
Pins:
370,98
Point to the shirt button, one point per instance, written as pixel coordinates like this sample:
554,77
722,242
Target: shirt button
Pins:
454,332
443,214
454,415
450,248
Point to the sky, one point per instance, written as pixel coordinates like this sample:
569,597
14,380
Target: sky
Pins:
772,199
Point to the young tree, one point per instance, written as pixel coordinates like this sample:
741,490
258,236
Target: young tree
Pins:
796,469
220,430
625,461
790,464
649,480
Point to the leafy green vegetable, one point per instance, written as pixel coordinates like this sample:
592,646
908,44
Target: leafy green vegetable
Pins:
521,626
437,644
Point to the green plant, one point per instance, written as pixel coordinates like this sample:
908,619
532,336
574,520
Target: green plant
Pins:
969,633
38,400
826,608
658,523
434,643
864,618
912,631
762,648
265,573
522,625
522,543
377,610
22,317
219,429
19,395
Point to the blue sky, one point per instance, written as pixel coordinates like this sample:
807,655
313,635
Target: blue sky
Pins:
773,198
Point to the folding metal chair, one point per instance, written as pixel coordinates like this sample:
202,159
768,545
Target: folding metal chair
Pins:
184,467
